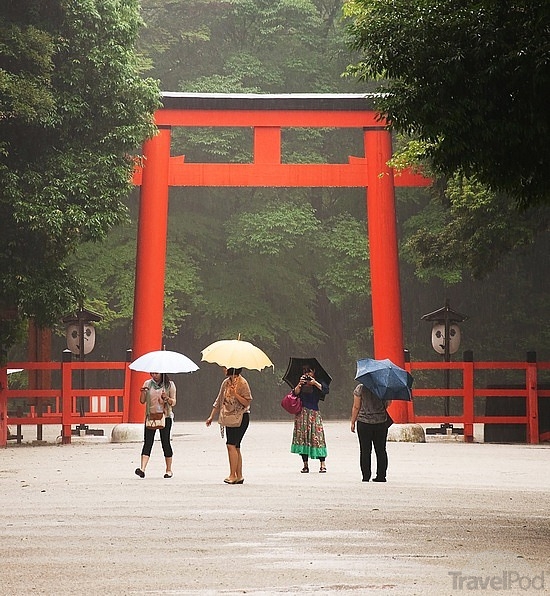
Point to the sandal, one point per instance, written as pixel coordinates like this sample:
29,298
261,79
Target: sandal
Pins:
168,475
322,470
139,472
304,470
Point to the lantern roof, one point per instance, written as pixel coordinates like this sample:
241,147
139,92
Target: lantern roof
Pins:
444,314
83,314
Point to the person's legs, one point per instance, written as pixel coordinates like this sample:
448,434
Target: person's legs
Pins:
165,434
233,457
364,434
239,470
234,438
148,439
300,438
143,464
316,439
379,439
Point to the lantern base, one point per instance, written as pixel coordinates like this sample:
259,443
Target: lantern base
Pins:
445,429
83,429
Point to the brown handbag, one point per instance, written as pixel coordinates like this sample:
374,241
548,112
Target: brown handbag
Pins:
154,423
231,409
156,415
156,409
230,417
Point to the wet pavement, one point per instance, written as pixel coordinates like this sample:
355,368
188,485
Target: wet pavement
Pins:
453,518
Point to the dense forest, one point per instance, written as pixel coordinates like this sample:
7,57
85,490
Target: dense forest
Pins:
288,269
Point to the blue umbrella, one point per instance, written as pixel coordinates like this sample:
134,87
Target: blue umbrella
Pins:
385,379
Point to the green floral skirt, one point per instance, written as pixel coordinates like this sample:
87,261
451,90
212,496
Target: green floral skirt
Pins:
309,437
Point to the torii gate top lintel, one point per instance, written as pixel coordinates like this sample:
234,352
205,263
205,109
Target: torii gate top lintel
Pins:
267,114
267,101
268,110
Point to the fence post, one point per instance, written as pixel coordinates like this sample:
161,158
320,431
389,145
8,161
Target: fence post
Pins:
468,398
3,406
126,390
66,396
531,385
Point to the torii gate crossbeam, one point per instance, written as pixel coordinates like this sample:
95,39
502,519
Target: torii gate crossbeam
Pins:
267,115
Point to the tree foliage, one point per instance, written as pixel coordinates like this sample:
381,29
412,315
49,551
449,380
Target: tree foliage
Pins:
246,45
74,111
468,228
470,79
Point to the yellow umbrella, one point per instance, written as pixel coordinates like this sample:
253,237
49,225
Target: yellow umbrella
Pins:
235,353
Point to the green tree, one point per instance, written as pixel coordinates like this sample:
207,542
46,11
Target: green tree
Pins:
467,229
246,45
73,113
470,79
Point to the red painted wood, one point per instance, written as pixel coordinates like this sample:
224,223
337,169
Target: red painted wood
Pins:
267,145
68,415
3,407
384,259
269,173
266,169
532,403
150,261
278,118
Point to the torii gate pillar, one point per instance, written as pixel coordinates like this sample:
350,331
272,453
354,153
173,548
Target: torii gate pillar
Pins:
384,258
150,259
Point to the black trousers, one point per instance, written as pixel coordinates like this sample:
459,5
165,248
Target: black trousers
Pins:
369,435
149,438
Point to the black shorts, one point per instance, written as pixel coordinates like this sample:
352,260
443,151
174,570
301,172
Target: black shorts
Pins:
234,434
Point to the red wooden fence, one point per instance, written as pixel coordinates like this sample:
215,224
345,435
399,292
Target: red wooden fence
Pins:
60,405
468,389
110,405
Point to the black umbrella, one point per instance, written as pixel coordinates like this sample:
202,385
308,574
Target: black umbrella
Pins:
295,370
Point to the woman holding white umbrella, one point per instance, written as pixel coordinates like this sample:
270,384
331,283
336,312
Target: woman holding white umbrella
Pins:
159,391
159,396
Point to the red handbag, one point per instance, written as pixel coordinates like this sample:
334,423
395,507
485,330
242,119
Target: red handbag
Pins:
292,403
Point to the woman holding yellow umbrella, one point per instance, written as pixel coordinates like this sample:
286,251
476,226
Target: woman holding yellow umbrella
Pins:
235,396
233,401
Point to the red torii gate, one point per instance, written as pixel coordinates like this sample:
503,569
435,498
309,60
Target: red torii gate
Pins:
267,115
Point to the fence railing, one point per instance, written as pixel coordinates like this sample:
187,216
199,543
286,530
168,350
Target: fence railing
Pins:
467,390
67,404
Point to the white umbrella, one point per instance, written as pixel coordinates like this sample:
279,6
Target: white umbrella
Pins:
235,353
14,370
163,361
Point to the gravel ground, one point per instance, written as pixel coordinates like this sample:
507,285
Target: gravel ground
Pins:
453,518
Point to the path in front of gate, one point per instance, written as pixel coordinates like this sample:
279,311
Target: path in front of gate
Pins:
452,518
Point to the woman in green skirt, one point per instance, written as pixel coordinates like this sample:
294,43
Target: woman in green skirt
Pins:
308,438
